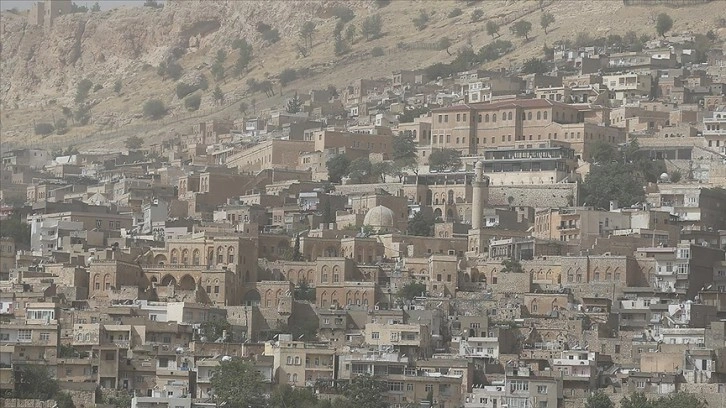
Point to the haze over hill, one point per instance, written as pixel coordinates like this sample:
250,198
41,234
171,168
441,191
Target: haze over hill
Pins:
41,67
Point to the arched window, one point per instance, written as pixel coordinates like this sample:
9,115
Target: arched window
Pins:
220,255
195,257
545,115
539,115
494,117
185,256
174,256
230,255
479,118
486,118
509,116
529,115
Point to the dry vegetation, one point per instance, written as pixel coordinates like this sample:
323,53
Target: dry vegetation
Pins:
141,82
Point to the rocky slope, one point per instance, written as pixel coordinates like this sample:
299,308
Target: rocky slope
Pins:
41,67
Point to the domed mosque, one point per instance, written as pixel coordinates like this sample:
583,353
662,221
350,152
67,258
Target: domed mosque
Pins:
380,219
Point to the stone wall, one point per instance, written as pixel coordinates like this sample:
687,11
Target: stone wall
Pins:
538,196
25,403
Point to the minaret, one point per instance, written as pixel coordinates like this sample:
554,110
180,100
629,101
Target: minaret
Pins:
477,201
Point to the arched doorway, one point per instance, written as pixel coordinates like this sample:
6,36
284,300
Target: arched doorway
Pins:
168,280
187,283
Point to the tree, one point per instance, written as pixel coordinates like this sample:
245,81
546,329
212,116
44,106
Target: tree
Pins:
455,12
382,3
372,27
120,400
365,391
174,70
422,20
350,34
360,170
676,176
603,152
404,146
381,169
221,56
14,227
521,29
636,400
192,102
339,46
612,181
511,266
218,71
303,291
285,396
61,126
296,254
154,109
117,87
337,168
34,382
218,95
418,225
445,159
678,400
271,36
493,28
476,15
377,52
43,128
663,24
63,399
134,143
152,4
411,290
82,115
546,20
287,75
294,104
215,329
307,31
598,399
184,89
82,90
535,66
243,107
343,13
244,58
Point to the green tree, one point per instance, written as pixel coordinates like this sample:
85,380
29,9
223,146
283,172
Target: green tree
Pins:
603,152
184,89
680,400
285,396
294,104
612,181
192,102
455,12
120,399
422,20
117,87
307,31
676,176
14,227
337,167
154,109
218,95
43,128
34,382
174,70
420,226
598,399
511,266
372,27
303,291
271,36
365,391
82,115
215,328
636,400
221,56
493,28
243,107
377,52
296,254
218,71
521,29
343,13
134,143
360,170
476,15
287,75
244,58
535,66
350,34
339,46
546,20
663,24
82,90
412,290
63,399
61,126
445,159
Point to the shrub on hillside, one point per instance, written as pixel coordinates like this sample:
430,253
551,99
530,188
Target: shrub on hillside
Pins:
192,102
43,128
154,109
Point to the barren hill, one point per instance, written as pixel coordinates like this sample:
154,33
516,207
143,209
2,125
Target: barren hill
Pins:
41,67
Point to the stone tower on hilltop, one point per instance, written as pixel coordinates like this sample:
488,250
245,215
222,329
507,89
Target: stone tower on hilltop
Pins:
43,13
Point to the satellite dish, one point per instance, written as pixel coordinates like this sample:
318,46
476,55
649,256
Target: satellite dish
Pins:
226,358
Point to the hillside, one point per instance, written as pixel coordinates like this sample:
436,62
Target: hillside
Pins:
40,68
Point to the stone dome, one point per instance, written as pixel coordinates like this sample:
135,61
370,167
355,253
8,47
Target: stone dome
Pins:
379,218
